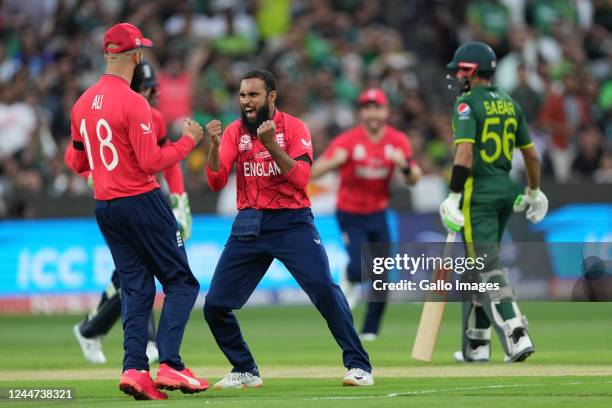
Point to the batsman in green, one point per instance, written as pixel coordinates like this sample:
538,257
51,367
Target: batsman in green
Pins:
488,125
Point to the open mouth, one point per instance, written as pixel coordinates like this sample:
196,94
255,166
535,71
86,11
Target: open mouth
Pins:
251,113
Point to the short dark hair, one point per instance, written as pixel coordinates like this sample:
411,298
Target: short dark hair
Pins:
266,76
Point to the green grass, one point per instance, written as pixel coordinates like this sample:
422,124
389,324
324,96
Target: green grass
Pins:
570,338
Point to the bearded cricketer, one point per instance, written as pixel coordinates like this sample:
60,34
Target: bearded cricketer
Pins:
272,151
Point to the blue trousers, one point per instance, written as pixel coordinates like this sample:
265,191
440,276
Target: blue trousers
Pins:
291,237
145,242
357,230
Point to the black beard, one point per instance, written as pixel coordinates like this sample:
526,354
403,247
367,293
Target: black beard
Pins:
458,86
263,114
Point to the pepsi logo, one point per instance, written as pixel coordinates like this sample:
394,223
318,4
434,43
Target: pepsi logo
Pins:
463,109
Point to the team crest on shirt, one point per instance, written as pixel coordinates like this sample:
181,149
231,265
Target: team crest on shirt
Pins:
245,143
280,139
463,110
359,152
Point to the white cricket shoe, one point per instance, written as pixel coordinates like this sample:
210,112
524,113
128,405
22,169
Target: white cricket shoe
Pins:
152,353
522,349
357,377
239,380
481,354
92,348
368,336
351,292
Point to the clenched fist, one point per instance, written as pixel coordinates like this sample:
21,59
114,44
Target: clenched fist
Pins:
193,129
214,129
265,132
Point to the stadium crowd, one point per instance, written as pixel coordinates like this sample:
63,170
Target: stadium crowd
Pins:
554,57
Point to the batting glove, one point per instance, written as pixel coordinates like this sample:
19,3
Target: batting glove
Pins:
534,201
182,213
451,215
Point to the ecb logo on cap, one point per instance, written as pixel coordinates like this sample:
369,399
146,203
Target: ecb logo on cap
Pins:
138,42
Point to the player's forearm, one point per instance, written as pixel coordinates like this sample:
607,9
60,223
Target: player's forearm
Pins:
532,165
76,160
216,176
282,159
464,155
156,161
212,161
414,175
321,167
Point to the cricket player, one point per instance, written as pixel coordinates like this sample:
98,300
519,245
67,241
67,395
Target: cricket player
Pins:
100,320
488,125
114,138
367,156
272,152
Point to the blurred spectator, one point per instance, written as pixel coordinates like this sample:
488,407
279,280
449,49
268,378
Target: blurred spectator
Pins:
523,51
554,57
564,112
488,21
176,83
549,15
525,94
590,152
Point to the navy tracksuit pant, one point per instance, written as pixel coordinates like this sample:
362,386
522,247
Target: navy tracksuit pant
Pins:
291,237
145,242
357,230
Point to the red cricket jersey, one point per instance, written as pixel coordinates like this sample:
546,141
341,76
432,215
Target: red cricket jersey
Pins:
175,95
174,173
366,175
260,183
114,136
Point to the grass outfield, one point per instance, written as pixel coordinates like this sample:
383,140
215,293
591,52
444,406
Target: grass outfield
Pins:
301,364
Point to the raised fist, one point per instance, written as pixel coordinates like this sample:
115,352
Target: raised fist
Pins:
214,129
265,132
193,129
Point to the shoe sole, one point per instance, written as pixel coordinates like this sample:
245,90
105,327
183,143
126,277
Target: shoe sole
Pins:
351,383
243,386
132,388
173,385
523,356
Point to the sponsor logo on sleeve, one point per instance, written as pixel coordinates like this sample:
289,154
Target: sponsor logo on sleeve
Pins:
463,110
146,128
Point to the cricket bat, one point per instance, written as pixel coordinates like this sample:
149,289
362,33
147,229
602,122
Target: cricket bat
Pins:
431,317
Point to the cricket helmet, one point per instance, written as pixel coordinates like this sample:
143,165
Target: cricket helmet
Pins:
144,77
475,56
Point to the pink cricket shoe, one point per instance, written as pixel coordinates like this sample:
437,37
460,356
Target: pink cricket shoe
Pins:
184,380
138,384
